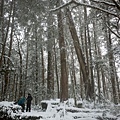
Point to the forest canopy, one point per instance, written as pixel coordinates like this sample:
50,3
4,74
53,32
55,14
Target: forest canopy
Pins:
60,49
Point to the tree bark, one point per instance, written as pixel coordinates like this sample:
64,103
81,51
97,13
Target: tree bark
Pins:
73,76
43,74
97,64
10,49
21,78
111,60
56,72
79,53
64,76
50,74
92,84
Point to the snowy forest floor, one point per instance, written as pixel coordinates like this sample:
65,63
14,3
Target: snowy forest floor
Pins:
9,111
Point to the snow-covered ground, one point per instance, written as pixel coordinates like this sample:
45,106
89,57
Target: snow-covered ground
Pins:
61,112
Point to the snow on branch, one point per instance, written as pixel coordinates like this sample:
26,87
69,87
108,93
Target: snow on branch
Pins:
107,3
83,4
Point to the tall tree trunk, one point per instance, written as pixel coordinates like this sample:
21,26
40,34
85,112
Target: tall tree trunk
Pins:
36,66
81,86
103,83
85,37
13,87
88,54
1,26
43,74
92,84
3,34
64,76
96,54
117,82
43,68
26,70
50,78
50,74
102,76
16,87
79,53
56,72
1,11
10,49
111,60
21,78
73,77
27,56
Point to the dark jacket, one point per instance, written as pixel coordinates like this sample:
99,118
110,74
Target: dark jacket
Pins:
21,101
29,99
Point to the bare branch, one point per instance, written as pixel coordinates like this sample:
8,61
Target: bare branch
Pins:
62,6
113,31
116,4
107,3
84,4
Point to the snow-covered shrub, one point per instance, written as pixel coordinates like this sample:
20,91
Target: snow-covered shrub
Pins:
8,108
37,108
115,109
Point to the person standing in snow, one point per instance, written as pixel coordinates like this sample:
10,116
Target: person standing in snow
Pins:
29,99
21,102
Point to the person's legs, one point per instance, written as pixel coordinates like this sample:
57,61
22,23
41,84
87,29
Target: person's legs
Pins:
23,107
27,107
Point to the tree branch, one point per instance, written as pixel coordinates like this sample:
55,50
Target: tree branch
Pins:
107,3
116,4
113,31
83,4
62,6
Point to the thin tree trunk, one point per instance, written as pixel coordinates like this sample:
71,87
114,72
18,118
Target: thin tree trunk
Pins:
26,69
117,82
21,78
36,66
1,11
88,54
81,86
1,29
85,36
92,84
4,36
43,68
73,77
16,87
56,72
2,89
10,49
96,54
104,84
111,60
43,74
50,74
13,87
50,78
